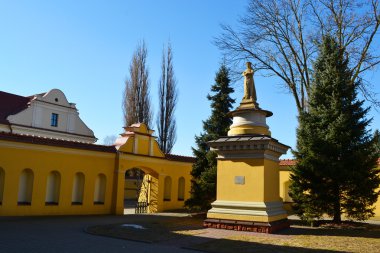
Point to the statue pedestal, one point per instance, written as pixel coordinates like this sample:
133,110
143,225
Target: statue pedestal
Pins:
249,119
248,175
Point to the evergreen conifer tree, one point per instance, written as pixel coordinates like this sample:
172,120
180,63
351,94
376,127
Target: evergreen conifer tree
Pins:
336,155
203,187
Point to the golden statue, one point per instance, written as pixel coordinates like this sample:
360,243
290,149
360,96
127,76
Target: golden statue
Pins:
249,85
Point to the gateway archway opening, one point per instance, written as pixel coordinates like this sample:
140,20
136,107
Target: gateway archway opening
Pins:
140,191
132,188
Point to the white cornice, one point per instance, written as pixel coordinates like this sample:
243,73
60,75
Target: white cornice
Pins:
232,147
229,156
50,133
248,208
51,106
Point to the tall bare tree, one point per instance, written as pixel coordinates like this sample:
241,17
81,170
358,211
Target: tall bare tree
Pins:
282,36
136,102
167,93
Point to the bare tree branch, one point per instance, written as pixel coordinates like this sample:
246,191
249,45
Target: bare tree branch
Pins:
281,38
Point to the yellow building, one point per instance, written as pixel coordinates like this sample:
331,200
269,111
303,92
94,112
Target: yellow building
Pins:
285,183
46,176
51,167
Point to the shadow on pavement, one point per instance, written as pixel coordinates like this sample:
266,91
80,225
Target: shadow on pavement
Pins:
187,232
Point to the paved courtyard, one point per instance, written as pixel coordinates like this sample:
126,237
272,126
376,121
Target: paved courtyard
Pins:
66,234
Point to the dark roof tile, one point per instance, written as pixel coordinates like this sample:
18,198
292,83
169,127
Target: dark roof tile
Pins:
179,158
287,162
11,104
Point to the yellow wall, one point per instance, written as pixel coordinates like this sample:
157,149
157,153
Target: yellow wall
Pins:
42,159
284,184
271,187
15,157
284,189
143,145
130,188
253,171
377,210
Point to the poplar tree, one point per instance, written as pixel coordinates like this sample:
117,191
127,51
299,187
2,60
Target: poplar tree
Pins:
167,94
336,155
203,187
136,100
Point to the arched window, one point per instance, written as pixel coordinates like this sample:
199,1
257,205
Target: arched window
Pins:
100,189
53,188
25,187
78,189
168,189
181,188
2,177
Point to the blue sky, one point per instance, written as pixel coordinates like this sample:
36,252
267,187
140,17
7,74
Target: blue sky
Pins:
84,48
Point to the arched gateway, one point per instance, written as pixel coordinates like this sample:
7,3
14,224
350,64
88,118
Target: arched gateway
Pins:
138,150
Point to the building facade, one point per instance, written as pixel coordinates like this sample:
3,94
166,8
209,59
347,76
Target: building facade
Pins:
47,115
50,166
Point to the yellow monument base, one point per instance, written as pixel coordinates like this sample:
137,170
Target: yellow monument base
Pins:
248,197
248,185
